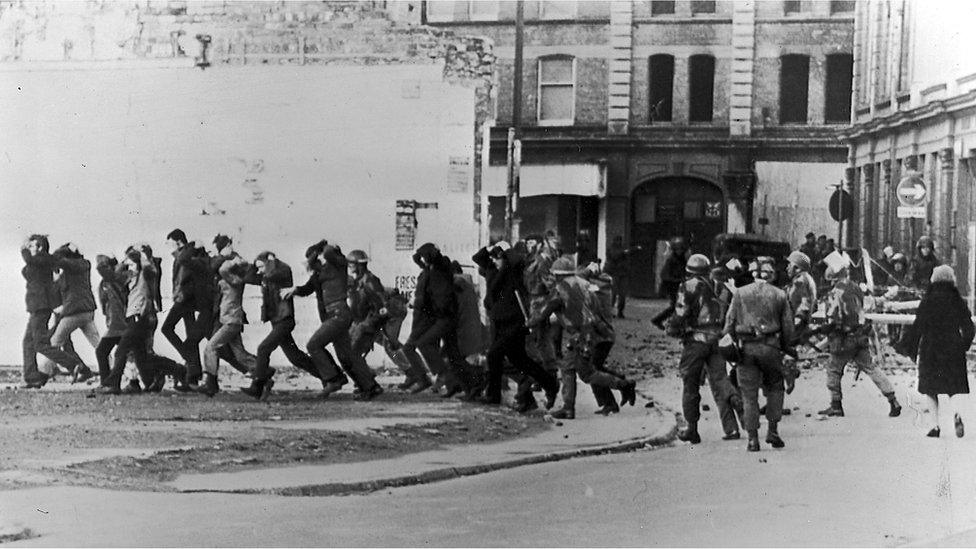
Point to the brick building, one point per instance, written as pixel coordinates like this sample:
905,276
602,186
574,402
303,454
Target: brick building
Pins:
648,119
915,117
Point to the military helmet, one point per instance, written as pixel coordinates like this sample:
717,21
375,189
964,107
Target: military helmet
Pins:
698,264
357,256
563,266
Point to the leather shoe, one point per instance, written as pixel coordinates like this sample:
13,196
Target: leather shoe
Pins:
608,409
255,389
774,440
332,386
734,435
753,445
81,374
370,393
628,395
689,435
564,413
934,432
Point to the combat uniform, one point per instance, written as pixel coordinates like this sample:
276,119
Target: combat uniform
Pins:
760,317
848,341
698,320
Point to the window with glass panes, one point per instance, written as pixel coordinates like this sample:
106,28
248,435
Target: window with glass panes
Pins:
557,90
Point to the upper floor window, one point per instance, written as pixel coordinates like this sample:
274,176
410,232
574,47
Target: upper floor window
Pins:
841,6
662,7
701,88
557,9
660,84
483,10
791,6
439,10
794,79
557,91
840,74
702,6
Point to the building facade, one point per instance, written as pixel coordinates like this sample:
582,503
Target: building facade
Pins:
915,120
650,119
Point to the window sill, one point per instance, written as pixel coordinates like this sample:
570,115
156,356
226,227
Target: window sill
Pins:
556,123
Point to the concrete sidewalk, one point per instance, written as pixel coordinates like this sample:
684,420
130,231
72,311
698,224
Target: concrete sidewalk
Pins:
589,434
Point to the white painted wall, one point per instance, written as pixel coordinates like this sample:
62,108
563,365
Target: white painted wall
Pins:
109,157
796,194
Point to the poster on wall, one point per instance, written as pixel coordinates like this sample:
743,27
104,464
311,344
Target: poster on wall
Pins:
406,224
458,174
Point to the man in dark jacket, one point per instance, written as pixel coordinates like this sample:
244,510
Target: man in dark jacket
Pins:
329,282
434,330
672,275
618,267
41,299
112,294
925,260
274,276
77,308
503,270
189,266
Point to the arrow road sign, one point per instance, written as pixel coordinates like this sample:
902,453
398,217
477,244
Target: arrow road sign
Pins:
911,190
916,192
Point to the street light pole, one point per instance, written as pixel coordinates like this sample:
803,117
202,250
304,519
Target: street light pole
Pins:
514,148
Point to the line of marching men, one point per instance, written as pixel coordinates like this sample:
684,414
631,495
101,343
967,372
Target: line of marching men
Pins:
757,327
526,286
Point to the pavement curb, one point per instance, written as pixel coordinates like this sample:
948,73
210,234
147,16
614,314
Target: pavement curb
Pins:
447,473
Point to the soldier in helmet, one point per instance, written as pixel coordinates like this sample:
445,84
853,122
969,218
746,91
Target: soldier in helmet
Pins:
329,281
761,319
672,275
802,295
848,341
373,319
575,306
702,304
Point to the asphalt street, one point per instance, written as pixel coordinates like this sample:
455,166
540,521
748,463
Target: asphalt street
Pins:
862,480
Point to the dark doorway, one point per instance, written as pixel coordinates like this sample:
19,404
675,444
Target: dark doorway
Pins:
668,207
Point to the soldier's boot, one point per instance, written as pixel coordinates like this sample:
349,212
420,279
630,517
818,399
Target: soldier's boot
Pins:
772,436
834,410
895,410
690,434
753,444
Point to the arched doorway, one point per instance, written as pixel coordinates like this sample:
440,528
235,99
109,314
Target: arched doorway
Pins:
668,207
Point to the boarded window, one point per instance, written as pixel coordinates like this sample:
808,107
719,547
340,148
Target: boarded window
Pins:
557,90
662,7
791,6
840,74
701,87
702,6
794,77
661,75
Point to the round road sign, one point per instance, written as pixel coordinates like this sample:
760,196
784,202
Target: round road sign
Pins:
841,205
911,190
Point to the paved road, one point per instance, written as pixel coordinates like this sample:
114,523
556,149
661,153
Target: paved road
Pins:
861,480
